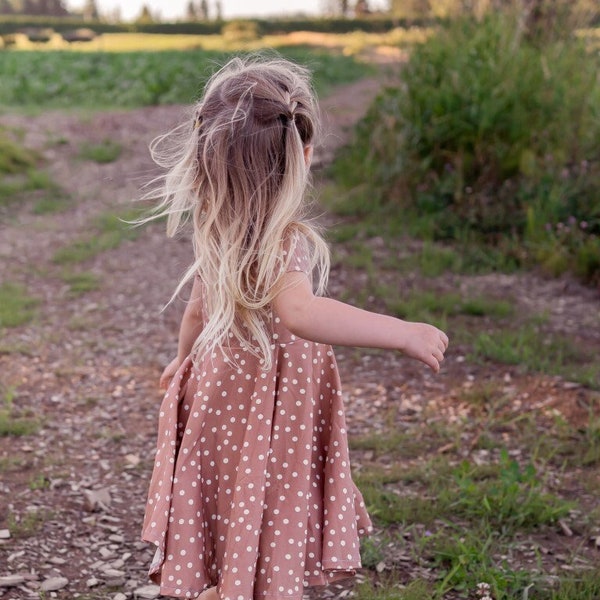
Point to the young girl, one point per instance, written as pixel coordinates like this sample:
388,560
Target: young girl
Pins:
251,495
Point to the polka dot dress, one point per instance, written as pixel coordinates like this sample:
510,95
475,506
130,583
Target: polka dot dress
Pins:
251,489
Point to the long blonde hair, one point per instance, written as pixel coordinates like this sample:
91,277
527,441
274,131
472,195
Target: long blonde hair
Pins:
240,175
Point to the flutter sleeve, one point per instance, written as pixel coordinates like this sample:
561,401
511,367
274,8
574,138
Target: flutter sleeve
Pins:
299,260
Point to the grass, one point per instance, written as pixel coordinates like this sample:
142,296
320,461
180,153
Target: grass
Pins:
532,349
464,521
81,282
106,151
71,79
19,174
17,307
107,231
12,424
27,525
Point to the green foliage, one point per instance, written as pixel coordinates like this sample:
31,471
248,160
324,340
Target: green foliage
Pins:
534,350
108,231
490,138
503,497
92,79
18,174
416,590
582,587
14,158
80,282
12,424
106,151
17,307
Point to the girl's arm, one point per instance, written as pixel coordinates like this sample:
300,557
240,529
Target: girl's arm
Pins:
189,329
328,321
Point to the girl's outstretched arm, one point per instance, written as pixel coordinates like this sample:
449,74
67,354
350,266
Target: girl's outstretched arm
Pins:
329,321
189,330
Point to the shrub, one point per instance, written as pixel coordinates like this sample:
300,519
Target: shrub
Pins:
492,134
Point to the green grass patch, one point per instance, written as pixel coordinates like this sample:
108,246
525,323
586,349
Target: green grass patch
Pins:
108,231
19,176
106,151
422,305
67,79
534,350
504,495
12,424
14,158
28,524
17,307
51,203
81,282
585,586
390,590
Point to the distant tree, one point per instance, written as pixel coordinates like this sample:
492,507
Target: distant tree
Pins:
6,7
344,8
114,16
203,10
57,8
218,10
90,11
361,8
190,11
145,15
29,7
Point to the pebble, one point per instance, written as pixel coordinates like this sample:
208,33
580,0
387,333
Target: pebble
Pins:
4,534
11,580
148,592
119,596
53,584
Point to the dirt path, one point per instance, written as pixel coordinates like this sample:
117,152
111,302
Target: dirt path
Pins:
86,369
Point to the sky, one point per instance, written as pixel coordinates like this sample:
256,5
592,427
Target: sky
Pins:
174,9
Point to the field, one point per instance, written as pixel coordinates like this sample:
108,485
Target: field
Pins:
487,473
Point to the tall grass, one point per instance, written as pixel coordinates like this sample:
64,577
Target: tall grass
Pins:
493,136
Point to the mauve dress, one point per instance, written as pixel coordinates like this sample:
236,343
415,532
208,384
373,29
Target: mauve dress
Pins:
251,489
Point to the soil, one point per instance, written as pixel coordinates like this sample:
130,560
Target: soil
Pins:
73,495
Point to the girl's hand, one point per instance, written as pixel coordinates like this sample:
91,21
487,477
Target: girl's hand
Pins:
168,373
425,343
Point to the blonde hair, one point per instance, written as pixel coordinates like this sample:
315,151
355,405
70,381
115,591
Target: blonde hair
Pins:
240,174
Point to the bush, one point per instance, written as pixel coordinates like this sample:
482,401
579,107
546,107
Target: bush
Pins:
492,135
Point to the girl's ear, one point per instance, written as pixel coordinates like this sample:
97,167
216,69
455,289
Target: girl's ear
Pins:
308,154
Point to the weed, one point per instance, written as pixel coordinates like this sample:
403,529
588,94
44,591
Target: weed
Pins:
27,525
17,307
534,351
106,151
391,590
81,282
583,587
39,482
109,231
14,158
55,202
10,423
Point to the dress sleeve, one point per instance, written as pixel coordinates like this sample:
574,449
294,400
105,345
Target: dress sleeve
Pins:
299,261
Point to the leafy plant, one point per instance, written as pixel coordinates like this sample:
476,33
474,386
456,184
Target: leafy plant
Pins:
489,136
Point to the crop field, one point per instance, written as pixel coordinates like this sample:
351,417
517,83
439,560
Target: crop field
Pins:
70,79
